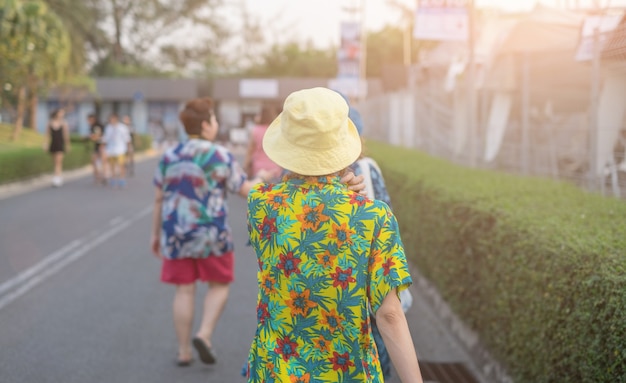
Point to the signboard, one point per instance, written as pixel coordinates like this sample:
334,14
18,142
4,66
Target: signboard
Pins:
258,88
442,20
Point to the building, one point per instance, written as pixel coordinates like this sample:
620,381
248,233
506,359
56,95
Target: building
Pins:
152,104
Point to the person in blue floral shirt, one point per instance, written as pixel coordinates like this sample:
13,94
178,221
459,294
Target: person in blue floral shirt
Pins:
326,257
190,232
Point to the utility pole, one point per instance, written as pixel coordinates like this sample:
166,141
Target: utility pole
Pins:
471,84
363,58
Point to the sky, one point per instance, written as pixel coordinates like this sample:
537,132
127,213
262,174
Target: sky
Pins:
318,21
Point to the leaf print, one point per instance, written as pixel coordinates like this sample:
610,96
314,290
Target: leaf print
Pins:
320,268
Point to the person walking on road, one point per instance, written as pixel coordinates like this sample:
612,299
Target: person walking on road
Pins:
375,188
190,231
98,157
326,256
256,159
116,138
57,143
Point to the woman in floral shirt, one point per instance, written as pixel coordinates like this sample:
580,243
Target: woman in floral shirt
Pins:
326,256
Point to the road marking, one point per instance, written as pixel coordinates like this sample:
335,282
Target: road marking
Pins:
55,262
24,275
116,220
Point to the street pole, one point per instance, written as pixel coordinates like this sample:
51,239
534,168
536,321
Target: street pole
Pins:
525,113
471,85
593,126
363,59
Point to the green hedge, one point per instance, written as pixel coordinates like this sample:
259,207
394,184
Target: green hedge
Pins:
23,163
536,267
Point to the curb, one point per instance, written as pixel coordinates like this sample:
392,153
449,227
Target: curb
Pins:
43,181
486,368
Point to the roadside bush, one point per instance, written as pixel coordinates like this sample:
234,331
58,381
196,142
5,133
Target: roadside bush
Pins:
537,268
23,163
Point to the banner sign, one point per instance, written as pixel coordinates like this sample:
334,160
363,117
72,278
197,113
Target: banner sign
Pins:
442,20
349,54
349,57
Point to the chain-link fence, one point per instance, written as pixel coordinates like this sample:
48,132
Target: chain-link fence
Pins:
536,120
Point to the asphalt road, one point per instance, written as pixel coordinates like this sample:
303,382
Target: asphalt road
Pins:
81,300
80,297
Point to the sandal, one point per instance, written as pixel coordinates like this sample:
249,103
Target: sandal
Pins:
205,352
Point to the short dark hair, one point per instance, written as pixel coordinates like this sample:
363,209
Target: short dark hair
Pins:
91,115
195,112
269,112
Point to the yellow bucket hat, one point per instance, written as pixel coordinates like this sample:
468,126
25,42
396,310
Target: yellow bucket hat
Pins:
313,135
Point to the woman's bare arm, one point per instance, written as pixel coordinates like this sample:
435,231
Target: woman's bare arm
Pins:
395,332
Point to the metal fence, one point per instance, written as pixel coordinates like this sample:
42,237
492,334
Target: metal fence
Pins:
548,130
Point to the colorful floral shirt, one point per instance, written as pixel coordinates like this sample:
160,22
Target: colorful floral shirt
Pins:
325,255
195,177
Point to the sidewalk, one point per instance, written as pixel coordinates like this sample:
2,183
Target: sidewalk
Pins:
449,352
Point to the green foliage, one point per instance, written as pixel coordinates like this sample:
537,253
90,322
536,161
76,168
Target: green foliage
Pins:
294,60
34,45
30,162
536,267
27,158
81,19
28,139
109,67
144,26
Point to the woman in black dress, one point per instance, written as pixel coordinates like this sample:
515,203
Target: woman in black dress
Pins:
58,142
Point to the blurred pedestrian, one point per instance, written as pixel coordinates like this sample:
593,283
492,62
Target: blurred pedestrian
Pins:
326,255
57,142
375,188
190,231
116,138
256,159
130,153
98,156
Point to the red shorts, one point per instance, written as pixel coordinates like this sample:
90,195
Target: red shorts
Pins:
188,270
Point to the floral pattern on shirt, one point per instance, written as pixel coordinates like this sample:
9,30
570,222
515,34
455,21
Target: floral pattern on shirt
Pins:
195,177
325,255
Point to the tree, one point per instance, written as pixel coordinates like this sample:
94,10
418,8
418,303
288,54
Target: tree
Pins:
139,27
34,49
81,18
293,59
